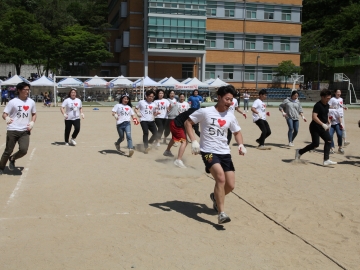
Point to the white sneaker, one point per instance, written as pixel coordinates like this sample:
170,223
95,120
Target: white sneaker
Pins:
329,162
341,151
176,144
223,218
117,146
147,150
179,163
67,144
297,154
72,141
158,144
168,153
131,152
346,143
291,144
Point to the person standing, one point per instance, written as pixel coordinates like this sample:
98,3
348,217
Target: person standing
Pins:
259,118
4,96
71,109
20,116
172,113
215,121
319,127
246,97
291,109
234,107
161,118
195,101
122,113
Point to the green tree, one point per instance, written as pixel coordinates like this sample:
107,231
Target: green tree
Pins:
286,69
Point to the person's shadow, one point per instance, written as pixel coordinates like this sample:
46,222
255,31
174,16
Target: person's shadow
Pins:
189,209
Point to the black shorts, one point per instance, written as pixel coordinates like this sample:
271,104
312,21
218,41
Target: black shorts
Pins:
223,159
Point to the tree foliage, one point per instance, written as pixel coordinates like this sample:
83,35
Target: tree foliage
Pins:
286,69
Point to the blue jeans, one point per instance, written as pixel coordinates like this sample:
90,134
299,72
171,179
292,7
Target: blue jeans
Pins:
246,104
124,127
333,129
293,128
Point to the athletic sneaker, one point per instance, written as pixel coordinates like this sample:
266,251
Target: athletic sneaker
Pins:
223,218
117,146
72,141
329,162
158,144
131,152
11,164
346,143
179,163
147,150
297,154
212,197
261,147
67,144
176,144
168,153
341,151
291,144
332,151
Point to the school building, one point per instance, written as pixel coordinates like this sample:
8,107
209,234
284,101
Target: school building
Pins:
238,41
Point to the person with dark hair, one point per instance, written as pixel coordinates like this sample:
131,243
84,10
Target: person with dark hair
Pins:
20,116
195,101
71,109
122,113
4,96
259,118
234,107
215,121
172,113
146,110
163,107
291,109
319,127
246,97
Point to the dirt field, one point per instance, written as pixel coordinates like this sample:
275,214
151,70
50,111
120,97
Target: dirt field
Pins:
87,207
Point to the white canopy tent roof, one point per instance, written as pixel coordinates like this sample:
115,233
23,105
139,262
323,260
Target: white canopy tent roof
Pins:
96,82
194,81
42,81
171,82
70,82
209,81
147,82
121,81
186,81
14,80
217,83
163,80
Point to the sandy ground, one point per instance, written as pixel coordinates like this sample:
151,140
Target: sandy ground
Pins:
87,207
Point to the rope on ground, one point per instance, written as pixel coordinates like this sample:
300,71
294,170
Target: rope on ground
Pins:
286,229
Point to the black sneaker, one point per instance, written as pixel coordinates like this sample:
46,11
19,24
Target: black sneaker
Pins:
212,197
11,164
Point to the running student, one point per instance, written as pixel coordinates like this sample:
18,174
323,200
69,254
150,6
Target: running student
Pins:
161,119
20,116
319,127
172,113
234,107
71,109
259,118
215,121
123,112
291,109
146,109
334,117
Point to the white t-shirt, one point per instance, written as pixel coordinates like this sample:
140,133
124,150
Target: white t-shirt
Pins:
72,108
337,104
146,109
234,105
20,111
335,115
246,96
261,108
162,106
124,112
183,107
214,126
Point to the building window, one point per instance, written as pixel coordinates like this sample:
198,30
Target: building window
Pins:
286,15
269,14
285,44
249,73
268,43
228,72
251,11
209,72
211,8
228,41
187,71
267,74
250,43
210,40
229,10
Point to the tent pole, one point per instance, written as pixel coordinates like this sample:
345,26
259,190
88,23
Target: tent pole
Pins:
55,96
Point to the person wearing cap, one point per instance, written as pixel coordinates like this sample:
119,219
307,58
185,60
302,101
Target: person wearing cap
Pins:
71,109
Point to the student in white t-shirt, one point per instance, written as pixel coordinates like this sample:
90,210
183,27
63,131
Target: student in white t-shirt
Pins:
172,113
146,110
259,117
71,109
122,113
20,116
163,107
234,107
215,121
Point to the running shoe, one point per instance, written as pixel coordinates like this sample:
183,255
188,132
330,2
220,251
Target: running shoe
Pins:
147,150
72,141
223,218
11,164
341,151
158,144
262,147
329,162
67,144
117,146
131,152
179,163
346,143
212,197
332,151
176,144
291,144
297,154
168,153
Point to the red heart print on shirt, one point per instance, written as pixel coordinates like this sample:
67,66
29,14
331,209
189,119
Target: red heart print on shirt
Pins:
221,122
340,102
126,109
26,108
162,103
75,104
183,106
175,102
264,105
150,107
232,103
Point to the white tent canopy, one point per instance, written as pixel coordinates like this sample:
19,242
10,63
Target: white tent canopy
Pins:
14,80
42,81
171,82
70,82
195,82
209,81
96,82
217,83
163,80
186,81
121,81
147,82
